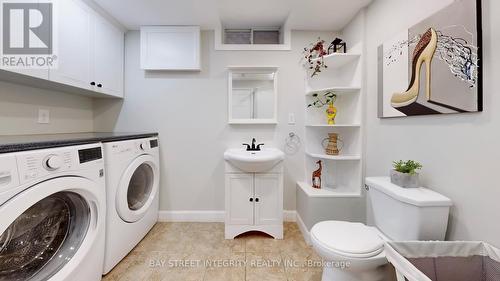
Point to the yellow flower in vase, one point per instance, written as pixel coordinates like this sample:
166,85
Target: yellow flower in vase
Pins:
331,113
329,99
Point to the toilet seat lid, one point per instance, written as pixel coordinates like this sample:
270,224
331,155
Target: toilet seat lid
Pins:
347,238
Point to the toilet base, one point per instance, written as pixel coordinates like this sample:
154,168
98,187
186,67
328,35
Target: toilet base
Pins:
345,274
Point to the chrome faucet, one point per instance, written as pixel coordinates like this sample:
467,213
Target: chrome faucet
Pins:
253,147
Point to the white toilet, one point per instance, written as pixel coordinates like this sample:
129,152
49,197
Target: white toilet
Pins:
355,252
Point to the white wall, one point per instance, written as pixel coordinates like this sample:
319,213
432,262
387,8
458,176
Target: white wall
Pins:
459,152
19,111
189,110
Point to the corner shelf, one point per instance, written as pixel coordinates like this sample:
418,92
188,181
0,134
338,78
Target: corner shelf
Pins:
338,60
328,192
342,174
333,126
334,158
337,90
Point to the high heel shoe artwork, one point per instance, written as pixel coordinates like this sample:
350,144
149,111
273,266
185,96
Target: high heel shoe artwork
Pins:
423,54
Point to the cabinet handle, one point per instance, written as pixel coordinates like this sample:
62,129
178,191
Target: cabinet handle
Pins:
92,83
257,200
99,85
251,199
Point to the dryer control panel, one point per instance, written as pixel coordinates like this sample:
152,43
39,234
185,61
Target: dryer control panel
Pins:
132,148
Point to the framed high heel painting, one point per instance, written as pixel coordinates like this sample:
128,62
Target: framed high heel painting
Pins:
434,67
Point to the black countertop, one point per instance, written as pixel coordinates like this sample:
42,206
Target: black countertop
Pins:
31,142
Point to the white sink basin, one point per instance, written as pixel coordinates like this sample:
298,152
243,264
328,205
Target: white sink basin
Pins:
254,161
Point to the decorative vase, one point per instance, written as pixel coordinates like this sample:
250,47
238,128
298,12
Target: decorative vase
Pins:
405,180
332,148
331,113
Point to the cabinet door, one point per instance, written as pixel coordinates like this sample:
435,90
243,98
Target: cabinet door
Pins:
170,48
239,199
74,51
269,199
108,58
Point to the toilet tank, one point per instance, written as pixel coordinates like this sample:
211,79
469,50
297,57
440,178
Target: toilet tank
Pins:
407,214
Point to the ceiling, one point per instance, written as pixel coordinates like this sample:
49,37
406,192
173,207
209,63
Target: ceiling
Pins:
330,15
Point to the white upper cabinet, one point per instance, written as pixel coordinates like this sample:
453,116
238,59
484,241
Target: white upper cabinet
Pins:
108,58
90,54
90,51
75,45
170,48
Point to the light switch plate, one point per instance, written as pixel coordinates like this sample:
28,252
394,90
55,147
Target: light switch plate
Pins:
291,119
43,116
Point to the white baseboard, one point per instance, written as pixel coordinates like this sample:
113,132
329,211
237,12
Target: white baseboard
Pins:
303,229
208,216
191,216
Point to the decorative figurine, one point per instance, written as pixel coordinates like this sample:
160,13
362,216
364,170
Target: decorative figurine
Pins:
336,46
316,176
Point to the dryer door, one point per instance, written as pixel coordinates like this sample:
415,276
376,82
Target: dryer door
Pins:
138,188
46,228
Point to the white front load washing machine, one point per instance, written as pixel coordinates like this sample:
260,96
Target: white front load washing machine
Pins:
52,214
132,185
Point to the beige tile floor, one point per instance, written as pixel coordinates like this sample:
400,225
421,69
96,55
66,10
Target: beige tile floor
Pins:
199,252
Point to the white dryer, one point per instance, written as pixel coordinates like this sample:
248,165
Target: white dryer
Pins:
52,214
132,184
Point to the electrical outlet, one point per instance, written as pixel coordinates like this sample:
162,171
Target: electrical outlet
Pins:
291,119
43,116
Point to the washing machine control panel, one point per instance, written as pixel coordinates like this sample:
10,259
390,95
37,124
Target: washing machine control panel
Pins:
153,143
8,172
37,164
90,154
53,162
143,145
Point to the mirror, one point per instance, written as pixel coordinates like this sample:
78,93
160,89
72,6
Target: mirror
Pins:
253,95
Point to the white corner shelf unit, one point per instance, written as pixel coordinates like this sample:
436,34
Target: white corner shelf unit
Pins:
334,126
342,174
338,90
339,60
326,192
334,157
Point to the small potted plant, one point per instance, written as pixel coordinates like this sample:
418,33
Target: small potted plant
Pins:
405,174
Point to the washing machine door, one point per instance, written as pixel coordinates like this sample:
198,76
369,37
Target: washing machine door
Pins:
46,228
138,188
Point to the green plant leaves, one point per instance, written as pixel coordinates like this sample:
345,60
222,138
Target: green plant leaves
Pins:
330,97
408,167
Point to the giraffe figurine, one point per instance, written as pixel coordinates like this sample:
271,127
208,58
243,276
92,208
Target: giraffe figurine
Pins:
316,176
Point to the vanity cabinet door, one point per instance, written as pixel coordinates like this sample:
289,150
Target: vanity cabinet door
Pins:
268,199
239,199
